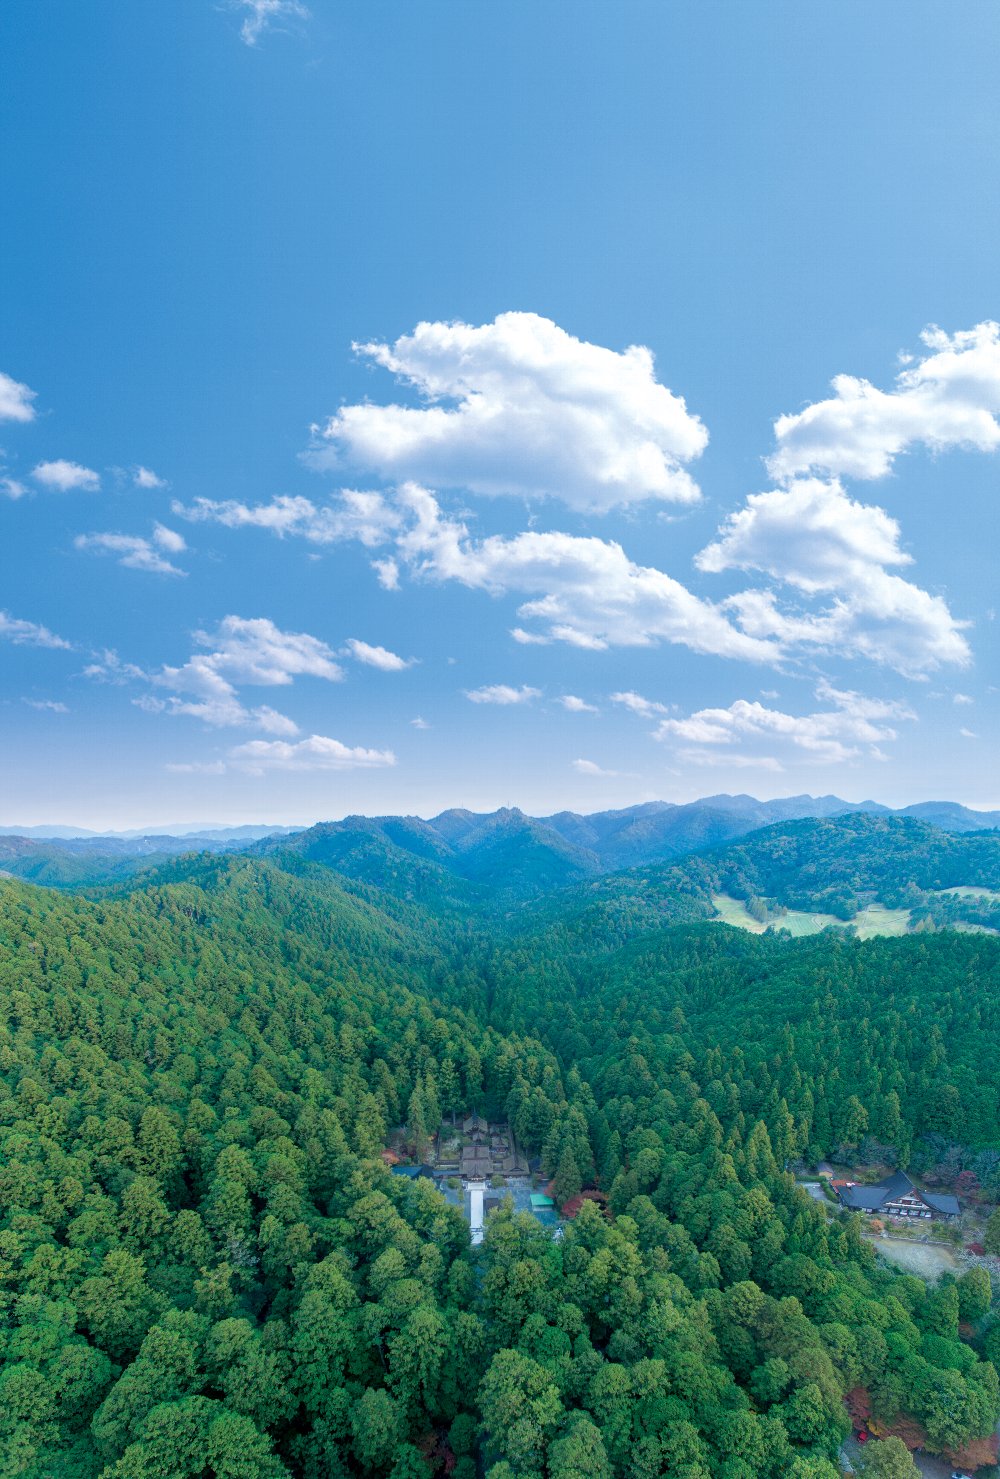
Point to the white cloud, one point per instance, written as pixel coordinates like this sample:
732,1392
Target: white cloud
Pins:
137,553
419,723
813,537
387,574
240,651
855,725
728,761
521,407
196,767
367,517
962,698
576,705
502,693
66,477
947,398
110,668
48,705
645,707
315,753
377,657
264,15
15,400
255,650
585,591
590,767
11,487
968,734
28,633
144,478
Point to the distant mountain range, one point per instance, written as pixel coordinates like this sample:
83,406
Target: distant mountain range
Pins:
459,857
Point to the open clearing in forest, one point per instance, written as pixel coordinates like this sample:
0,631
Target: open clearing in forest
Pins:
970,891
876,919
924,1259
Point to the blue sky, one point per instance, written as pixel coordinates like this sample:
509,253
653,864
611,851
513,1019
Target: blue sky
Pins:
589,255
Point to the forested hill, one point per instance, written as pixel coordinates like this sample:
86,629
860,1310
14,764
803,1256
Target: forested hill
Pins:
832,865
207,1272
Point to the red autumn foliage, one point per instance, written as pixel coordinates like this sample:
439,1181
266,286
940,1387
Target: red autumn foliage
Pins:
859,1406
574,1204
976,1454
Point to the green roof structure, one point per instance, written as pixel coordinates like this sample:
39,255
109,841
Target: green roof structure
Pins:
539,1199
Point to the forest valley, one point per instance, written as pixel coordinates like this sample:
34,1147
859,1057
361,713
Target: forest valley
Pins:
206,1268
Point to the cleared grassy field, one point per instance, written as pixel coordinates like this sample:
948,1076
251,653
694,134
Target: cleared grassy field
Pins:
970,891
875,920
796,921
916,1258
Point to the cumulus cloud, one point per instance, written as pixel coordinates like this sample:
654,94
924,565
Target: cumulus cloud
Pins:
645,707
260,16
137,553
419,723
576,705
519,406
66,477
948,397
367,517
144,477
502,693
239,651
377,657
962,698
28,633
315,753
255,650
15,400
815,538
853,725
585,591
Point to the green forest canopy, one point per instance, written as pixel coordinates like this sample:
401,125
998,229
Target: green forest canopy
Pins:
207,1270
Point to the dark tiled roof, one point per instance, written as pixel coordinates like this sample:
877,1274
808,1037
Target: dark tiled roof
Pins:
942,1202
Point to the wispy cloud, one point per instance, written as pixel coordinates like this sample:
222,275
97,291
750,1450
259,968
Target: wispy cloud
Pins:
11,487
502,693
15,400
377,657
260,16
29,633
144,477
62,476
575,705
646,708
366,517
137,553
46,705
590,767
315,753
